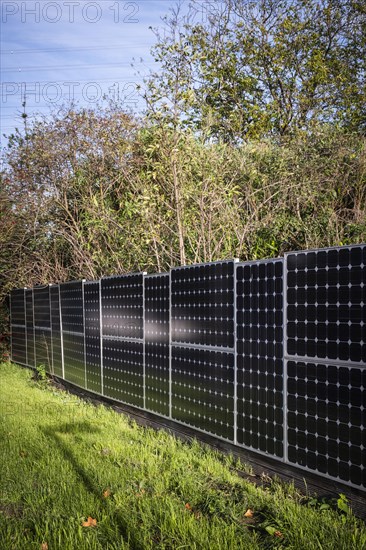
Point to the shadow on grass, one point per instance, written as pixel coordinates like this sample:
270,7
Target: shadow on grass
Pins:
77,428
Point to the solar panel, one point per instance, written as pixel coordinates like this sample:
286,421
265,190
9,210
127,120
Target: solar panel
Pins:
18,328
259,321
156,329
72,319
325,335
202,304
56,331
72,307
73,352
212,347
42,307
326,298
29,326
203,390
17,307
326,434
123,371
202,358
92,336
123,330
43,348
42,327
18,344
122,306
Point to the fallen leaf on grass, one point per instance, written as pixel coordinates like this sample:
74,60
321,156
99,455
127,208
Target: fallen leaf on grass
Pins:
187,506
249,513
107,493
90,522
44,546
273,531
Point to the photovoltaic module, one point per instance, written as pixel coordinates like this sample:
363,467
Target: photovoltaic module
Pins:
268,355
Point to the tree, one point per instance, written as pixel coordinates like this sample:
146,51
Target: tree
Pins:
267,68
70,176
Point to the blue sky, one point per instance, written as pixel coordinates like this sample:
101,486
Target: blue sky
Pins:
54,51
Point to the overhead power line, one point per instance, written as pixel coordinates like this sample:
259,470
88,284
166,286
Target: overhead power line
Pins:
81,49
67,67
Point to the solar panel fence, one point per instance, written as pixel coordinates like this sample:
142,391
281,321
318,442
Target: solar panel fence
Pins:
268,355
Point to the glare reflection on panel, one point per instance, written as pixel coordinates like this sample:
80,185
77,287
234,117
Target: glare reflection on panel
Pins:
92,336
122,335
56,330
72,318
156,326
202,304
122,306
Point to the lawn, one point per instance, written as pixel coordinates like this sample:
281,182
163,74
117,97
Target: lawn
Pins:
74,476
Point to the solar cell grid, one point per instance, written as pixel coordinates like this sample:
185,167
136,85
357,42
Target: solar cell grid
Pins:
41,304
17,307
73,352
29,326
326,298
72,307
29,308
259,326
123,370
189,343
43,348
56,330
203,390
326,407
19,350
92,336
122,306
202,304
156,330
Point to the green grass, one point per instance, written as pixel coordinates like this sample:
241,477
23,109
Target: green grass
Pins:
59,455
